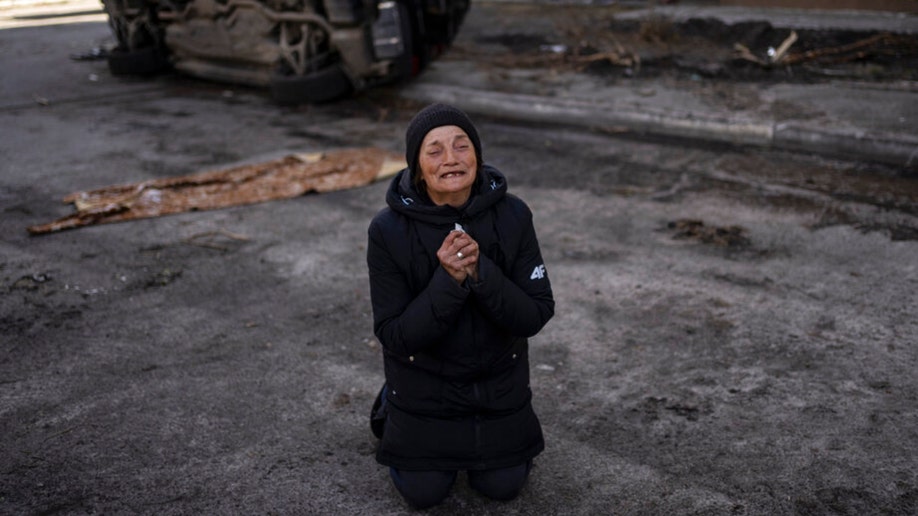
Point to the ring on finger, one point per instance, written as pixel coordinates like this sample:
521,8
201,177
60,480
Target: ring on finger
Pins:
459,254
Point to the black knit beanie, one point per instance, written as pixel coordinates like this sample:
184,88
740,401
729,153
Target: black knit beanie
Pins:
431,117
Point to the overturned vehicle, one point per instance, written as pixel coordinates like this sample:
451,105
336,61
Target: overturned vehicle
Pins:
303,50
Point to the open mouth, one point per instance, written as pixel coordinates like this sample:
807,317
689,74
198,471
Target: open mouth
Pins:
450,175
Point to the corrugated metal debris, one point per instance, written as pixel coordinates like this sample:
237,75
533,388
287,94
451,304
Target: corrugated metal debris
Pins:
282,178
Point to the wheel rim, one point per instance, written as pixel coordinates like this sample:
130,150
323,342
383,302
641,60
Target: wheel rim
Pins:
302,46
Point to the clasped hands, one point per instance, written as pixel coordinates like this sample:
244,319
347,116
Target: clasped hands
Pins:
459,256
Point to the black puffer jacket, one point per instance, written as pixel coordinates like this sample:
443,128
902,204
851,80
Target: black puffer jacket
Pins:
456,356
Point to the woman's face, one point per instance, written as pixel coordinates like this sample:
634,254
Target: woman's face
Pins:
448,165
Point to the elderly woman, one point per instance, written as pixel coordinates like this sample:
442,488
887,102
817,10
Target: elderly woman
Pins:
457,285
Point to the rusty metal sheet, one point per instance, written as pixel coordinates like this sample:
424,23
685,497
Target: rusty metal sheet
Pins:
282,178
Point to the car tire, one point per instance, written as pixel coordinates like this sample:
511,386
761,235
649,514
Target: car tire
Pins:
327,84
145,61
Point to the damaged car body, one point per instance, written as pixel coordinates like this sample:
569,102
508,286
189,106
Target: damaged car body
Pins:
303,50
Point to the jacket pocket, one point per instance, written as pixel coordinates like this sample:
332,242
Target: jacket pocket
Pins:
510,384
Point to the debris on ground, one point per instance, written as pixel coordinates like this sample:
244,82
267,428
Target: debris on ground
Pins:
601,42
31,281
775,56
282,178
727,236
860,50
211,239
163,278
878,44
93,54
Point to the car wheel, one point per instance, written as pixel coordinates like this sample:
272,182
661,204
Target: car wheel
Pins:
145,61
327,84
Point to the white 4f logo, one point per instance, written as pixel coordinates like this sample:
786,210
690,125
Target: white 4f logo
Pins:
538,272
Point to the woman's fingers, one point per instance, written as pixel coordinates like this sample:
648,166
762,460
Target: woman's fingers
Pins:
459,255
464,244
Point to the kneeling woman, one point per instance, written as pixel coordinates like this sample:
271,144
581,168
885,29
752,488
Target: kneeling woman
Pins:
457,285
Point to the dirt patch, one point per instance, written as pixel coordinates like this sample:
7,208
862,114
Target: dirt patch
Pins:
723,236
593,40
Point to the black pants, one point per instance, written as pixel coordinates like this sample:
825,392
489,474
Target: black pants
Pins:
422,489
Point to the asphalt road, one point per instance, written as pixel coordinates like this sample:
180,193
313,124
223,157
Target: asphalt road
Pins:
223,362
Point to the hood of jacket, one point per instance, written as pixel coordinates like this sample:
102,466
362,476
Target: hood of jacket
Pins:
402,197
